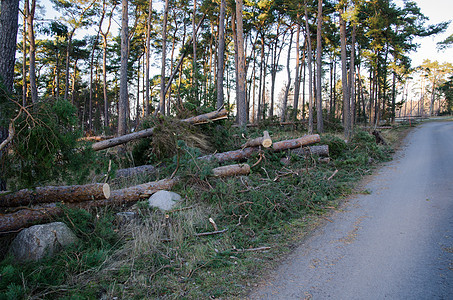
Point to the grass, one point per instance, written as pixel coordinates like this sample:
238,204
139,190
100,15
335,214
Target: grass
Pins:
159,255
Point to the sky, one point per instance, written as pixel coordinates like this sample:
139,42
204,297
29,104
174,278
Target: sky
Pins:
437,11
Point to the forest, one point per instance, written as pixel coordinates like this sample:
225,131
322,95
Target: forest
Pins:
140,96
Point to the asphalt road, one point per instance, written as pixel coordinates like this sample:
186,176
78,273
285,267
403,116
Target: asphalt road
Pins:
394,243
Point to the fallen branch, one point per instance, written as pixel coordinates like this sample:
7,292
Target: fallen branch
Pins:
331,176
211,232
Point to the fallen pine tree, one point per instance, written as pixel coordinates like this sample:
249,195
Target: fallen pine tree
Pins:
201,119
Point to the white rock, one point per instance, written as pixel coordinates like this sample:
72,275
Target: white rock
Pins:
164,200
36,242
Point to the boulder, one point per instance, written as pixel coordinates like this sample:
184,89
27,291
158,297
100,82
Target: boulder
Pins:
164,200
36,242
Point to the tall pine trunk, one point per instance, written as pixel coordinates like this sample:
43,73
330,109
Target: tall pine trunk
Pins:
310,74
240,93
221,55
344,80
320,123
124,94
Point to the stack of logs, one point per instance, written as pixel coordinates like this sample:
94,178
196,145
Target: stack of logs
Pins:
27,207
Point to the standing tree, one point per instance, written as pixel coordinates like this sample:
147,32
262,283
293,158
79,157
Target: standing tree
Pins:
221,54
124,94
319,124
240,93
9,15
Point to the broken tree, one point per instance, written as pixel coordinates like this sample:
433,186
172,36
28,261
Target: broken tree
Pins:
215,115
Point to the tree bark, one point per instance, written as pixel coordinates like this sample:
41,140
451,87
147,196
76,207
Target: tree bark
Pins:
9,14
310,74
297,77
241,101
344,79
124,97
319,118
288,85
221,55
147,54
163,91
50,194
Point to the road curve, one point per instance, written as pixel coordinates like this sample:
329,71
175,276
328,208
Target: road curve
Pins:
394,243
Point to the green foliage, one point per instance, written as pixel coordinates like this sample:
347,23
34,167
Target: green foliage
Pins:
46,148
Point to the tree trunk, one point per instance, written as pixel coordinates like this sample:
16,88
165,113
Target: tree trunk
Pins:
9,13
288,85
50,194
31,38
344,79
297,77
221,55
164,57
310,75
319,124
352,82
124,94
241,101
147,54
24,56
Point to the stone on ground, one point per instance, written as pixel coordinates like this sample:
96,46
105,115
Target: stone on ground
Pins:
164,200
39,241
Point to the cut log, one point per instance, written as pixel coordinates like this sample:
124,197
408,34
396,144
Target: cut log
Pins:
231,170
295,143
49,194
149,132
264,141
321,150
135,171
